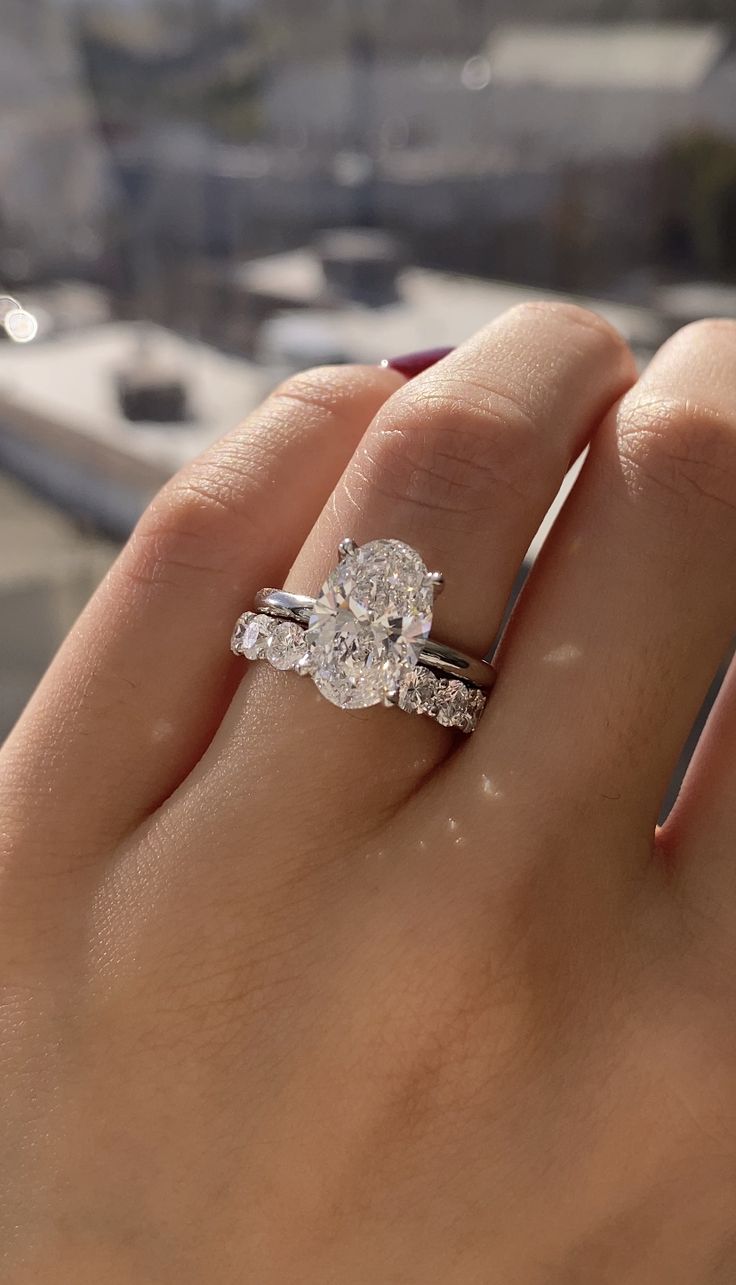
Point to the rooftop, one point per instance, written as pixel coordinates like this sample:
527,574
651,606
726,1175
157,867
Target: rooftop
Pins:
663,55
61,426
433,308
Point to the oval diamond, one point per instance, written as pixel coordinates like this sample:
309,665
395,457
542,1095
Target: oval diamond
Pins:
369,623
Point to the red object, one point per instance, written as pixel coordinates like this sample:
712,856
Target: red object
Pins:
413,363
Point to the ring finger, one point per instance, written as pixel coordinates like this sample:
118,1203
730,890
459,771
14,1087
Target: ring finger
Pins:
461,463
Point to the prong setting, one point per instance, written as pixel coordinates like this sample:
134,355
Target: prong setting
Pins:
346,547
303,666
437,580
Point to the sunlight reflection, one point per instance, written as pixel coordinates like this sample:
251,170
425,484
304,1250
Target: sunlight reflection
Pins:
566,654
489,788
162,730
21,326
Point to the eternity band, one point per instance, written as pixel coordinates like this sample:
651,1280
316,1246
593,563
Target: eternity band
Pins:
365,638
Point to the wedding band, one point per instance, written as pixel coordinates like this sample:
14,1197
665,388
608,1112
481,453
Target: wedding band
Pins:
365,639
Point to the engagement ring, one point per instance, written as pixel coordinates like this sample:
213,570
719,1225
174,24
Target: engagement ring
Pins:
365,639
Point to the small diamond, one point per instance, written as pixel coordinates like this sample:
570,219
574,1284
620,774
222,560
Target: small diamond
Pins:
476,705
241,624
452,703
255,637
417,691
286,647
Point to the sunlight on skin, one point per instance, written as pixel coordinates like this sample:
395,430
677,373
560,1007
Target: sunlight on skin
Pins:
489,789
374,854
566,654
453,826
422,765
162,730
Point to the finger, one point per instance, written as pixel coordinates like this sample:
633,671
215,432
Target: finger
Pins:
461,463
139,687
630,608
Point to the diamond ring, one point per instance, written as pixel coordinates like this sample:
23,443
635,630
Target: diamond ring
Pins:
365,639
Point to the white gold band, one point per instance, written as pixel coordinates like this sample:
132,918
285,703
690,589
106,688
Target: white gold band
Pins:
436,655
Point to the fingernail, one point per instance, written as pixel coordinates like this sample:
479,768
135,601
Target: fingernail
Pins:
413,363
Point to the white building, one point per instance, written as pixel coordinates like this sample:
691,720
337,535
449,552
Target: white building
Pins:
311,325
536,95
62,428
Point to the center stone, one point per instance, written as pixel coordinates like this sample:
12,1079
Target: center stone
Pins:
369,623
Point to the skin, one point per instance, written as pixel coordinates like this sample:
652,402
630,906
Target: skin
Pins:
295,994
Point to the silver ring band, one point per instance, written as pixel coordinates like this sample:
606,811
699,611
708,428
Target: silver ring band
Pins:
435,655
366,638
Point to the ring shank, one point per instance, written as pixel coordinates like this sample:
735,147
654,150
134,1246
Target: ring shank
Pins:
434,655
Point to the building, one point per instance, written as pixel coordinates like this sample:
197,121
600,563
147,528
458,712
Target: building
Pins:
63,428
49,568
536,94
55,176
300,314
538,157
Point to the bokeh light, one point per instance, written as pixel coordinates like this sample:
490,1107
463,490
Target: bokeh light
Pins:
21,326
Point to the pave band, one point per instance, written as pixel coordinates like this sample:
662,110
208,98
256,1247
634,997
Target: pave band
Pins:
365,638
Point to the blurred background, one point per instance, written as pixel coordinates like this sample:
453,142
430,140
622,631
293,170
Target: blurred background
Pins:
199,196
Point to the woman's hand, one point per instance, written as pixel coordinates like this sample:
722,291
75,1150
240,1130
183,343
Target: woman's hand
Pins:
294,994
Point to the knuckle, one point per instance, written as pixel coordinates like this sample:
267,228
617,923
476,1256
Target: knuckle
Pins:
327,392
706,332
215,490
201,520
455,448
312,378
318,388
591,324
683,447
194,521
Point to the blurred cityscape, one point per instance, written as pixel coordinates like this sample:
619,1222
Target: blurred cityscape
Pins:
199,196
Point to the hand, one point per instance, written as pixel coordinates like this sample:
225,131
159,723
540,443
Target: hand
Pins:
294,994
